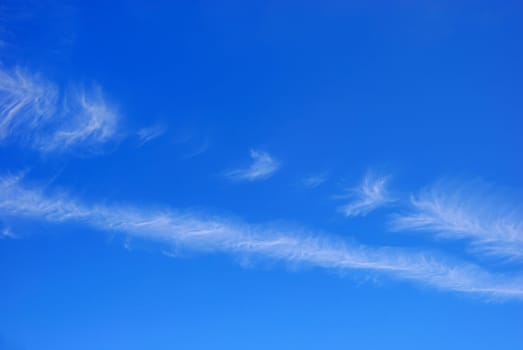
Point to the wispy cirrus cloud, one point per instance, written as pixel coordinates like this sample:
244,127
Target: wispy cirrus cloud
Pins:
26,102
494,225
35,112
314,181
370,194
150,133
262,167
7,233
88,122
192,143
218,234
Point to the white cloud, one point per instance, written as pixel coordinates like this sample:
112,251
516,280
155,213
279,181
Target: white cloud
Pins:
198,150
150,133
7,233
88,121
26,102
218,234
192,143
262,167
369,195
314,181
493,225
34,112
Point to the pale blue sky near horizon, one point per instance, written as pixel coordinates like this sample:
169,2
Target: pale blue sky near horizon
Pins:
278,174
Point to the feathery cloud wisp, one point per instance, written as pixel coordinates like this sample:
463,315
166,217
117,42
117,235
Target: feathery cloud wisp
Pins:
217,234
493,225
88,122
7,233
33,111
26,102
262,167
314,181
150,133
369,195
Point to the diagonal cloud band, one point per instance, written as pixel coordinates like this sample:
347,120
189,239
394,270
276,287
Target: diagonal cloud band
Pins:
217,234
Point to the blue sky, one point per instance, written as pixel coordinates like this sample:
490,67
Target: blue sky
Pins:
254,175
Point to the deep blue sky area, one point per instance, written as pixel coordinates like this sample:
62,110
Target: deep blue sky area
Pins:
261,174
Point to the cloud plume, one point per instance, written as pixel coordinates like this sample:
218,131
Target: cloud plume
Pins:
366,197
492,224
262,167
150,133
35,112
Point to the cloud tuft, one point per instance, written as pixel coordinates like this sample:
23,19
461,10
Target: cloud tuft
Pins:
493,225
369,195
34,112
262,167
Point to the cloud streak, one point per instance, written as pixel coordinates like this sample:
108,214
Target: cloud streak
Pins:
493,225
34,112
217,234
314,181
26,102
262,167
369,195
7,233
150,133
